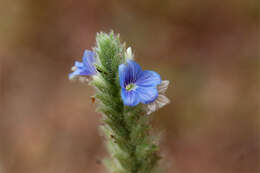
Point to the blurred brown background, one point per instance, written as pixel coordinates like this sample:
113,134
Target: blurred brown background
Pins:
209,50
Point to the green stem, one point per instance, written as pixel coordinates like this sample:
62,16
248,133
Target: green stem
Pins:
127,129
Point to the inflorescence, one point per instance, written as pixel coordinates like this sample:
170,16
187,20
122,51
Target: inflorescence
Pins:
125,94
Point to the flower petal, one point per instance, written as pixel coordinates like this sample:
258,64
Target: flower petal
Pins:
129,73
151,107
122,74
146,94
129,55
78,64
148,78
160,101
130,98
163,86
88,61
74,74
86,72
90,56
134,71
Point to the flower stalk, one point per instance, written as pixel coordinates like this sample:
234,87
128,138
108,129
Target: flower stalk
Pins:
123,93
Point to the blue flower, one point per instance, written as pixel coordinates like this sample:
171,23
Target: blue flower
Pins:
137,85
86,67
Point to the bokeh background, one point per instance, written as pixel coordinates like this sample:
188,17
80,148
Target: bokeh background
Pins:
209,50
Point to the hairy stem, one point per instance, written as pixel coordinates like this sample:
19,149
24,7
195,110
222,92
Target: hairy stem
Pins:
127,129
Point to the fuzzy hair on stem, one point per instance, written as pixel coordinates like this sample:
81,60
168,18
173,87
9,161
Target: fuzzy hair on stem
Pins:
127,130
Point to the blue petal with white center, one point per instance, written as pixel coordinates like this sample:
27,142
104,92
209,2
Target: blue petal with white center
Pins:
86,67
138,86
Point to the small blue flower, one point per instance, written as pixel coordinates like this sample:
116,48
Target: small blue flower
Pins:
86,67
137,85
